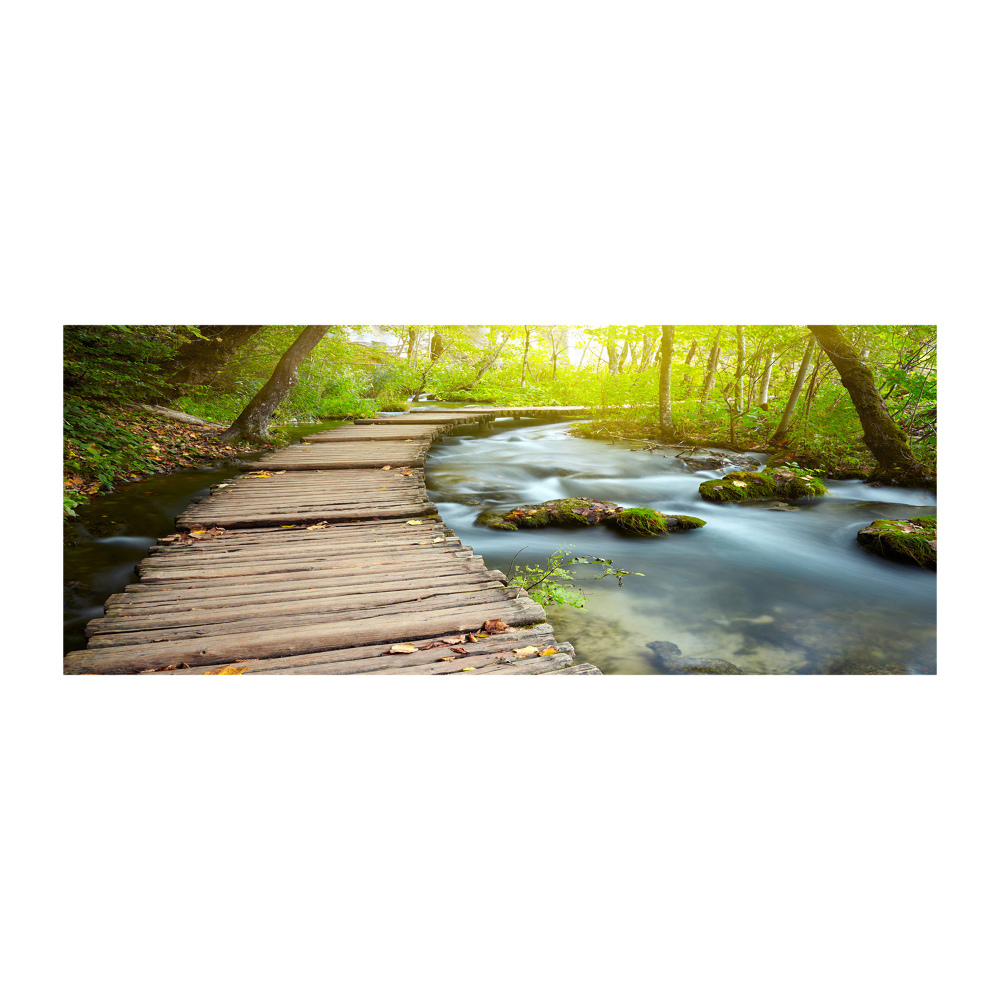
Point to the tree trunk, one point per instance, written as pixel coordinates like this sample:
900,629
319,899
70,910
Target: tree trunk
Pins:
713,364
883,436
437,346
524,363
666,354
198,362
411,342
612,358
741,360
786,418
765,381
251,424
647,352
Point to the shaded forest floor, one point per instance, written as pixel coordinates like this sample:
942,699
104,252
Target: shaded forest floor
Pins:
109,444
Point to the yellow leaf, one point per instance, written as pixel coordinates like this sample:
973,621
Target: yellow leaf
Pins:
548,651
386,468
198,532
440,538
415,522
468,668
736,483
403,647
449,657
525,651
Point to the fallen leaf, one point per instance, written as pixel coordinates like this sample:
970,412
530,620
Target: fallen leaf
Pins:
933,545
448,658
735,482
459,649
493,626
415,522
472,638
403,647
386,468
548,651
716,487
440,538
526,651
319,526
199,532
468,668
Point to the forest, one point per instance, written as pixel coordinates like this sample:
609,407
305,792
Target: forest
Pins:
774,388
792,468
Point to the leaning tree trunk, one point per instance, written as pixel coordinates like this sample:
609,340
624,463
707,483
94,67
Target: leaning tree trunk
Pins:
199,361
786,418
251,424
666,353
883,436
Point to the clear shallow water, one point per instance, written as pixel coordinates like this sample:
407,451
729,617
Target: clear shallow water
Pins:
770,591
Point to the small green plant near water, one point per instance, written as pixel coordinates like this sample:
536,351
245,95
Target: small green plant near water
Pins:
540,581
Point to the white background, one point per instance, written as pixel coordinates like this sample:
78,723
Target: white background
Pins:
804,837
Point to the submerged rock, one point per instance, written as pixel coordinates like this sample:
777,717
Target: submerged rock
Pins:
781,483
912,540
670,659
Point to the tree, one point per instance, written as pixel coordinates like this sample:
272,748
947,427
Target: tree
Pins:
666,353
524,365
765,379
786,418
741,356
713,364
252,423
882,435
201,358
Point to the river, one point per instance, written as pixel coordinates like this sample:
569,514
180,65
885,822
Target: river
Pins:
770,591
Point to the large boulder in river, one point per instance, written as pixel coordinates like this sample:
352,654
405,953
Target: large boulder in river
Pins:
912,540
778,484
582,511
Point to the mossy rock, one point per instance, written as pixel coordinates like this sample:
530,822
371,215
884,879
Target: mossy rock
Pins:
779,484
912,540
646,521
738,486
570,512
491,519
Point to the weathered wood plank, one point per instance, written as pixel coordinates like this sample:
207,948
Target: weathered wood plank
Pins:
353,659
493,603
284,642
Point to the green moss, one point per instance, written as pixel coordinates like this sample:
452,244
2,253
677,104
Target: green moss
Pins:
640,521
682,522
912,540
794,484
491,519
738,486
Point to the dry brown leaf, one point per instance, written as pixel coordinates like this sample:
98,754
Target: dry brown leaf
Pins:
493,626
403,647
472,638
526,651
459,649
448,658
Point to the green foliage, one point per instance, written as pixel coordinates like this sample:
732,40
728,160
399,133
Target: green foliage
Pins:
641,521
540,581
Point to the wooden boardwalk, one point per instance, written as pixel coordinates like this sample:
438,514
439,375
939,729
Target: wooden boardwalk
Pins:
326,558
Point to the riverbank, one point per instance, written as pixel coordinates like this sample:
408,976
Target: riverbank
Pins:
108,445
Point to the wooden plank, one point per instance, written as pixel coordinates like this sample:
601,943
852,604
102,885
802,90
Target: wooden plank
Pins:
141,600
198,614
493,603
353,659
284,642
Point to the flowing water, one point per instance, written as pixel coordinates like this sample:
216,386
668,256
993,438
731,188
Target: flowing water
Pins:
770,591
